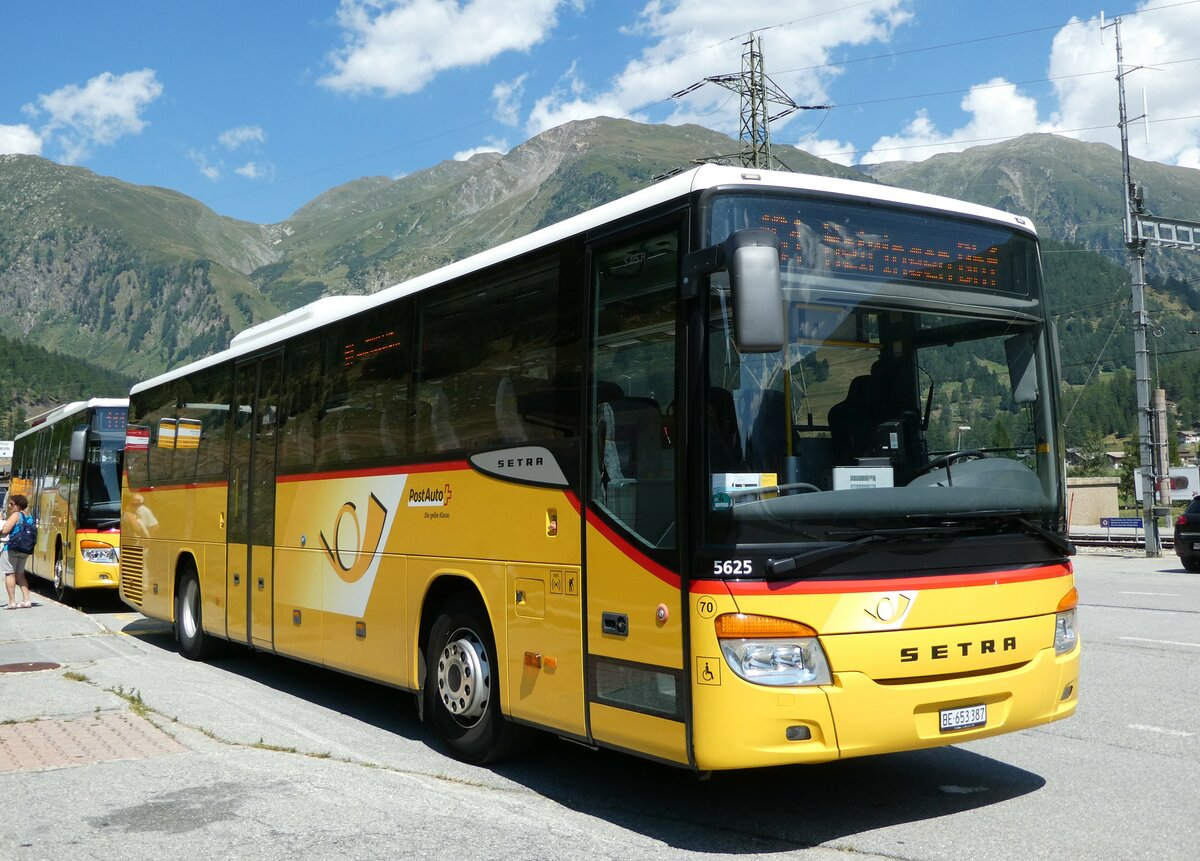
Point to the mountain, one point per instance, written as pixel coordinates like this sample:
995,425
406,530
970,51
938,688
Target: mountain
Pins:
126,276
142,279
1072,190
373,233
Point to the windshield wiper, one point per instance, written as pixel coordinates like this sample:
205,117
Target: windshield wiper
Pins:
859,538
972,522
1059,542
775,567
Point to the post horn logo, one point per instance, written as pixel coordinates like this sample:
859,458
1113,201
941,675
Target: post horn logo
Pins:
890,609
365,543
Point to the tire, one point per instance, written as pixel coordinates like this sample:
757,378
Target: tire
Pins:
194,644
1191,563
462,684
60,583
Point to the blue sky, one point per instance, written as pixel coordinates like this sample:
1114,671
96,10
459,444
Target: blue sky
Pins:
255,108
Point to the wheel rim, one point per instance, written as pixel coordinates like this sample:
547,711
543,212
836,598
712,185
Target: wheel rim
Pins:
464,677
59,586
187,613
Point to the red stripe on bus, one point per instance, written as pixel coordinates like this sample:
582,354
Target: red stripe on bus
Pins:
828,587
112,531
637,556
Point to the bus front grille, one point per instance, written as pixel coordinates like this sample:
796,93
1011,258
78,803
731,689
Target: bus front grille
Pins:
132,584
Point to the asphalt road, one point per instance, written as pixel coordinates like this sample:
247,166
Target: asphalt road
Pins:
253,756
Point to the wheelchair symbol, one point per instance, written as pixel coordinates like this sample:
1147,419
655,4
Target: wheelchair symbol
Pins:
708,671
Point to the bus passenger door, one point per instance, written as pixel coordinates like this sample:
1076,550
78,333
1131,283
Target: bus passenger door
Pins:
251,530
637,688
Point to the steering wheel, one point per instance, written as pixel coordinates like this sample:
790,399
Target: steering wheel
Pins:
947,459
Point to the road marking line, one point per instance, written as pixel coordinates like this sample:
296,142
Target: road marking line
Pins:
1162,642
1159,594
1175,732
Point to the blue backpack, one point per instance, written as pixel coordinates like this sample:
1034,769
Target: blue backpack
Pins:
24,535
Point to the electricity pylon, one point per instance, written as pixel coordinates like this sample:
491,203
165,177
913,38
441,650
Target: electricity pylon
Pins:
757,91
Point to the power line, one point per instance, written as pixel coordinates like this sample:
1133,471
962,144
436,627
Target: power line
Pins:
955,142
979,87
978,39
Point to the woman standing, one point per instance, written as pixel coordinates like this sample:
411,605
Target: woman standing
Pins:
12,563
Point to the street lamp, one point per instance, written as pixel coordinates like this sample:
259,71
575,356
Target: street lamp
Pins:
961,430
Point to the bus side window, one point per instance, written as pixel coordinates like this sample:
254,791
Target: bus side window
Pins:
201,443
365,414
160,453
492,358
302,396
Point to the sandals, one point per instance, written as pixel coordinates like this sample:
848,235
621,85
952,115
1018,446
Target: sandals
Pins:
20,605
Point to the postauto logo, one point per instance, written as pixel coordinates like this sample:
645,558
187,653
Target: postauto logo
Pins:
429,497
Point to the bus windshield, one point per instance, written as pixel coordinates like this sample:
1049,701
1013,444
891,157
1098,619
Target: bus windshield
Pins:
913,392
100,482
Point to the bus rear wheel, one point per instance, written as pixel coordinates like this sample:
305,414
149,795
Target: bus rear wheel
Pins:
194,644
462,684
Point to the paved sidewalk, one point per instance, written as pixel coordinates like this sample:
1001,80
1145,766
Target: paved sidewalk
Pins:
50,716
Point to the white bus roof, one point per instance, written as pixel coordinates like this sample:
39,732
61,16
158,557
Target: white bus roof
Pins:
331,308
66,411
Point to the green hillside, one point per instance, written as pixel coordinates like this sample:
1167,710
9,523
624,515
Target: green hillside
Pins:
36,379
372,233
142,279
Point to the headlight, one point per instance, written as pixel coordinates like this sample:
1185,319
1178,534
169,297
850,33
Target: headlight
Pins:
98,551
768,651
1065,633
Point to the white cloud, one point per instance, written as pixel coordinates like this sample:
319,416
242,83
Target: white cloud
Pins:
507,95
234,138
489,145
830,150
256,170
209,171
399,46
105,109
691,41
1164,34
20,139
997,111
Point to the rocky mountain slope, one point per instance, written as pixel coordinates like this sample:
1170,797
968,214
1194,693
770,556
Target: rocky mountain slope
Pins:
142,279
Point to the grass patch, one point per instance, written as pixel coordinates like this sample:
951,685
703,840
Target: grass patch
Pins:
134,698
262,745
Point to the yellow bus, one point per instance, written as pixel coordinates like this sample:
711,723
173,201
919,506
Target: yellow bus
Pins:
671,477
68,464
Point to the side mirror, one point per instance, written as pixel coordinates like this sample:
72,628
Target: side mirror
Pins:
79,444
752,258
1022,374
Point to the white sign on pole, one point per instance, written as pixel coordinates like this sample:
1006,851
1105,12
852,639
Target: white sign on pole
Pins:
1185,483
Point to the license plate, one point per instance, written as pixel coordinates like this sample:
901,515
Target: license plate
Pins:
1196,545
964,718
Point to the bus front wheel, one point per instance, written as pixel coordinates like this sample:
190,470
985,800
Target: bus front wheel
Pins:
462,684
194,644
